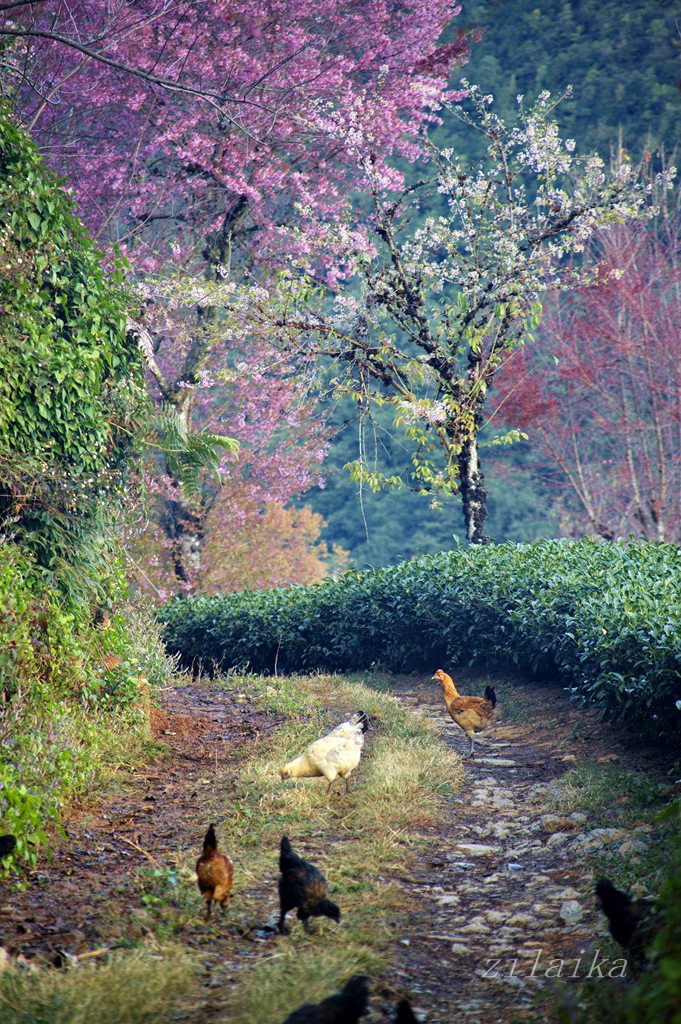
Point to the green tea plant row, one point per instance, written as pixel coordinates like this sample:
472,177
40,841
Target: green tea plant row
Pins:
605,618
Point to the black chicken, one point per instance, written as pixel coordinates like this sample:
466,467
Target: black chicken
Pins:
632,923
7,845
344,1008
302,887
405,1014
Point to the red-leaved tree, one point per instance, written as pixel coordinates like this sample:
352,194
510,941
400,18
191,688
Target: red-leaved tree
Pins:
600,392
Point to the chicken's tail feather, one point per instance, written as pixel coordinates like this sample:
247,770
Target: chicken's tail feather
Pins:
287,857
491,696
210,841
361,718
355,995
405,1014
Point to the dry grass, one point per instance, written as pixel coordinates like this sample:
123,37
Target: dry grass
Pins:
139,988
295,974
357,840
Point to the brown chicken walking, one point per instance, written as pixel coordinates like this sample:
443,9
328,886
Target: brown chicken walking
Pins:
214,873
472,714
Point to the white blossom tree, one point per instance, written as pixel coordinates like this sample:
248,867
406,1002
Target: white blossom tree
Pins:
436,304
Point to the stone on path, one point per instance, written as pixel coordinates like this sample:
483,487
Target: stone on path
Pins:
478,849
571,912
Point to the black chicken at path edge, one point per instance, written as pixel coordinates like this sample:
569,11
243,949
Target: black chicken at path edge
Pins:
302,887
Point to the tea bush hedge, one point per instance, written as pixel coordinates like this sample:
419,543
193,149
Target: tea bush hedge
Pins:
604,618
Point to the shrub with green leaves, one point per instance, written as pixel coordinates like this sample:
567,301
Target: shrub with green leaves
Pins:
652,992
657,994
70,375
605,618
69,696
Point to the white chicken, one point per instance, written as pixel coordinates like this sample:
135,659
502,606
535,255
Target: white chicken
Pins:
333,756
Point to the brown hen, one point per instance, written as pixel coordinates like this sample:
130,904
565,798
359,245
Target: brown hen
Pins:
472,714
214,873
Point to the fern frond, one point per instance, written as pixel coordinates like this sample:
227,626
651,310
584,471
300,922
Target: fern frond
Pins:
187,455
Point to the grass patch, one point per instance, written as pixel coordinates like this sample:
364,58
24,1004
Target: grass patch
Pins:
359,841
610,795
614,797
143,987
652,992
55,755
278,695
299,974
650,866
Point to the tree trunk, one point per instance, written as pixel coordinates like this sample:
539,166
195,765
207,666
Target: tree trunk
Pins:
184,525
184,519
473,491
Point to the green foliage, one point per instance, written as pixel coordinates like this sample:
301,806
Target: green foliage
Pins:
17,656
187,455
365,525
75,697
50,755
71,397
70,375
25,815
51,651
621,59
36,634
605,617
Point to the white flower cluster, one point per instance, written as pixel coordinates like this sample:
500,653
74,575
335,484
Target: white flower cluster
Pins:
432,411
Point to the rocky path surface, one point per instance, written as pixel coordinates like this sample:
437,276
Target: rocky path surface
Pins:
502,896
505,900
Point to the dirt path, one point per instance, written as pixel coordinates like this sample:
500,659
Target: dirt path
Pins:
507,895
503,891
155,820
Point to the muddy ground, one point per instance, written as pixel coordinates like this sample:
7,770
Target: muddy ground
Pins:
503,895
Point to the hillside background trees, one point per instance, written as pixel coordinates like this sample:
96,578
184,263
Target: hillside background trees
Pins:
601,393
625,70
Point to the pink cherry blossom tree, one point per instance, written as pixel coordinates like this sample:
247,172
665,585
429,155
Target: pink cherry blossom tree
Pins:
199,124
190,131
241,386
